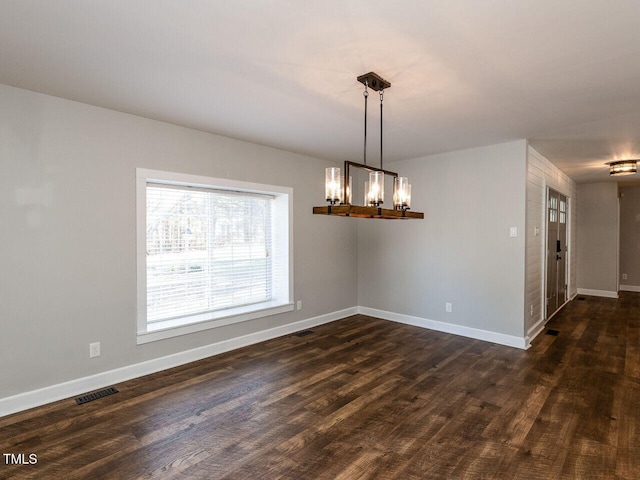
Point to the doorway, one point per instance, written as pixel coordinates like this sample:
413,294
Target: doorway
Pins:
557,252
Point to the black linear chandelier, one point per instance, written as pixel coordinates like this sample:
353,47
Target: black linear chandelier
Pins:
338,188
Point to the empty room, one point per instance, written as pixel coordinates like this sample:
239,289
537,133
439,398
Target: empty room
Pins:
338,240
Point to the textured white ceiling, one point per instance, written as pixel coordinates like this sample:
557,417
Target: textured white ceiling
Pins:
564,74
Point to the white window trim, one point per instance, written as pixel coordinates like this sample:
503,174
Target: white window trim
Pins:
283,300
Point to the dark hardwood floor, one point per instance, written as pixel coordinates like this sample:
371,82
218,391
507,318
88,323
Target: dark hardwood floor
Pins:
365,398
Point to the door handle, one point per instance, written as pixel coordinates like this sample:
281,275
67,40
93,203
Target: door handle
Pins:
558,257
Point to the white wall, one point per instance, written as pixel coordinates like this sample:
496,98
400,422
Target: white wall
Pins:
630,238
542,174
461,252
598,242
68,242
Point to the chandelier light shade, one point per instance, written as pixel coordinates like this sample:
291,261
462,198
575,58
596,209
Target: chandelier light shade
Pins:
333,185
623,167
339,188
375,190
401,193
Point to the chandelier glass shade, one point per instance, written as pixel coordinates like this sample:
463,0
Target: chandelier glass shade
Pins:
333,185
401,193
375,189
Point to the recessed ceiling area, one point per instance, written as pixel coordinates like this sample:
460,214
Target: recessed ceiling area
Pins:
564,75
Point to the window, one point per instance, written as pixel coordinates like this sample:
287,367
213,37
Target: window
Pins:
211,252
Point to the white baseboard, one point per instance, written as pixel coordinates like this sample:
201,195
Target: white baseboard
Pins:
53,393
597,293
487,336
534,331
630,288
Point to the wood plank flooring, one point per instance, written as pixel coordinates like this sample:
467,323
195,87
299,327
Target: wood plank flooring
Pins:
364,398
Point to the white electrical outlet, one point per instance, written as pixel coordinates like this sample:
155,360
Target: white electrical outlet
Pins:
513,231
94,350
624,276
448,307
299,305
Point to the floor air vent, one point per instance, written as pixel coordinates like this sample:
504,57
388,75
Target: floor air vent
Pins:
553,332
96,395
581,298
303,333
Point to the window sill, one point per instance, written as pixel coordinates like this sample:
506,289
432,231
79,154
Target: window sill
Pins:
197,323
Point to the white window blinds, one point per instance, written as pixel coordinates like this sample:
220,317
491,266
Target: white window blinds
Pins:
207,250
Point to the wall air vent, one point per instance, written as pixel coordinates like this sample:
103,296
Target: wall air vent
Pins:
303,333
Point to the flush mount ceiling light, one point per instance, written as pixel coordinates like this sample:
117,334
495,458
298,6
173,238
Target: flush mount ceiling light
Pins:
338,188
622,167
